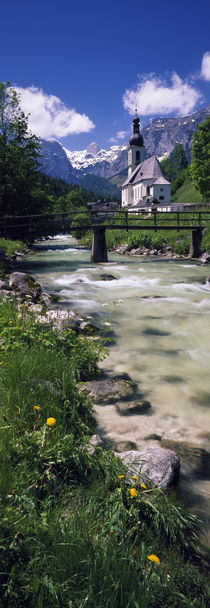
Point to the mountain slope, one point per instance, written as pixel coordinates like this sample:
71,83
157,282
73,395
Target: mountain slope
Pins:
160,138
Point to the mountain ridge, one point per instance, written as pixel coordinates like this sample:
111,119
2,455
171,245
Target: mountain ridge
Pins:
160,137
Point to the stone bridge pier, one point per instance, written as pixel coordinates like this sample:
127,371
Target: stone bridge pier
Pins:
195,250
99,250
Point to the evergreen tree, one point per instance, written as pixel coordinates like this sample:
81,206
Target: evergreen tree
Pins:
19,154
200,165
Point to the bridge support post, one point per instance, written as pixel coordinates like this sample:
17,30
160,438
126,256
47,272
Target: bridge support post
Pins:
195,249
99,250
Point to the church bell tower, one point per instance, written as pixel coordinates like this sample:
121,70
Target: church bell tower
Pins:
136,150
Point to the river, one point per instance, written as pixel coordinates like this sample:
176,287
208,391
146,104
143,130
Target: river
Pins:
159,310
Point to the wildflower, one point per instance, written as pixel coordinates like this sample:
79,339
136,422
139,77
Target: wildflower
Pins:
121,476
133,492
134,553
143,485
17,413
37,408
134,528
26,305
154,558
111,531
51,421
39,338
106,323
1,362
10,321
135,477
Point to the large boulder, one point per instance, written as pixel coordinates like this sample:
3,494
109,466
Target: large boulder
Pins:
127,408
160,467
24,284
109,390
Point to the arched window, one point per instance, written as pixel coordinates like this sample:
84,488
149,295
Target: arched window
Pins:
137,156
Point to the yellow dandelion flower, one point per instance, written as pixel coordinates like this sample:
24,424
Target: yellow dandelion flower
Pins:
133,492
10,321
154,558
51,421
39,338
37,408
134,528
143,485
1,362
134,553
135,477
121,476
111,531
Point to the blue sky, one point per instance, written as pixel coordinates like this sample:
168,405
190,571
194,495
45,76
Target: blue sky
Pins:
81,67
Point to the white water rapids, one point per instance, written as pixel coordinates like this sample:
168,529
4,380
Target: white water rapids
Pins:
159,312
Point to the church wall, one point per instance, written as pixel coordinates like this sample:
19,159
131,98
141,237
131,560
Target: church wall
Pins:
162,192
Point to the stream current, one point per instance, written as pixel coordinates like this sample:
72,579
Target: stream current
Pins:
159,310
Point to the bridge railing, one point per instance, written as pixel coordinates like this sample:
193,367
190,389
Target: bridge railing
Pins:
37,225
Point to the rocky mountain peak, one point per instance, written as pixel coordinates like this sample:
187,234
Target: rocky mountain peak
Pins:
93,148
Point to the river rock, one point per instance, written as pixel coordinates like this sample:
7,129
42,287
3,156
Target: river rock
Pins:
23,284
95,441
4,286
67,319
125,446
205,258
107,277
158,466
127,408
109,390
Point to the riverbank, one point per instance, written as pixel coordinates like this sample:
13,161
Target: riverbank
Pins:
88,516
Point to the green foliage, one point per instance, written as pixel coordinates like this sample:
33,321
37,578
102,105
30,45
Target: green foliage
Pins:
101,186
186,193
19,154
82,219
200,164
175,163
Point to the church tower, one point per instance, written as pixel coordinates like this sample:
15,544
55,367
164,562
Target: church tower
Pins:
136,150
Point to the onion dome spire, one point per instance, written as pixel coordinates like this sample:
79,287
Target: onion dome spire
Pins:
136,139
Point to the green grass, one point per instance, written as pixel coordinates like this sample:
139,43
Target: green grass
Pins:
187,193
9,247
71,534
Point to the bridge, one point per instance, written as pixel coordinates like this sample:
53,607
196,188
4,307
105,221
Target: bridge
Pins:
34,226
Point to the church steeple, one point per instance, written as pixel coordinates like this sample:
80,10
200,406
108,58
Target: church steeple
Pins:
136,150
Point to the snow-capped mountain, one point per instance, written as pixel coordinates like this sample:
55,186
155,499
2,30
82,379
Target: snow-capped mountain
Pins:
160,138
83,160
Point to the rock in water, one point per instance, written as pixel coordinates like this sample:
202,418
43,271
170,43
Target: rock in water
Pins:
159,466
24,284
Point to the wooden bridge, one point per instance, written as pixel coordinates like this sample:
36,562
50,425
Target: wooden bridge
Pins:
34,226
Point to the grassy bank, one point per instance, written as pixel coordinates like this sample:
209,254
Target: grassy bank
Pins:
74,531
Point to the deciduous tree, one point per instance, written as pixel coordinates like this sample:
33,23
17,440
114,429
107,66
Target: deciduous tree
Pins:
200,165
19,154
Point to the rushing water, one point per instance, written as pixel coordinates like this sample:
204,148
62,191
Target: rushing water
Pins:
159,312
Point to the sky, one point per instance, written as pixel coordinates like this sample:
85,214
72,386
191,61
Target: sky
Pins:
81,68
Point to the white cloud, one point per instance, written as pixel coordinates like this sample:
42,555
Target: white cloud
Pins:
48,115
154,96
205,67
121,134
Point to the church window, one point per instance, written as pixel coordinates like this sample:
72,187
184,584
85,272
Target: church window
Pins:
161,189
161,198
137,156
148,189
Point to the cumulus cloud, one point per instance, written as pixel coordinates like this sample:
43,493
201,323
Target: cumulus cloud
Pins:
119,135
153,95
48,115
205,67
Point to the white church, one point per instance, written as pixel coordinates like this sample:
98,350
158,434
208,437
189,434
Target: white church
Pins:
146,181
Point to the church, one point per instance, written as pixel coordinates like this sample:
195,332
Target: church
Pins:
146,181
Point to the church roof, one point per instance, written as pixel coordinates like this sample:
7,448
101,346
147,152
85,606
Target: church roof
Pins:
149,169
